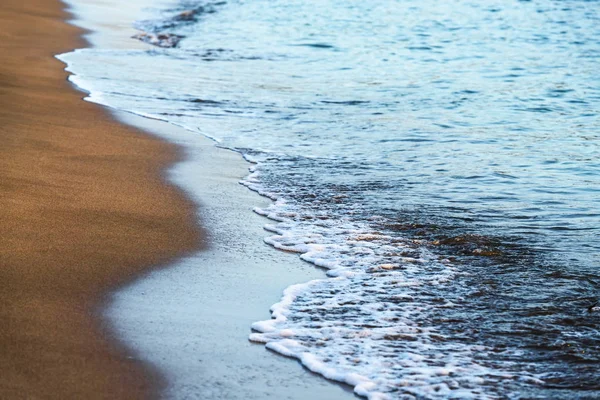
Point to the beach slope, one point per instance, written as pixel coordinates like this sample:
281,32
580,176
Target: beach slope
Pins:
84,208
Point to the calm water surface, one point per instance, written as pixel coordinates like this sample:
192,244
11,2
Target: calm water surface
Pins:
440,159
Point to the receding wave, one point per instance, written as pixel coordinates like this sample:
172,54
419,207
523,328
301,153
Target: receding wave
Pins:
438,162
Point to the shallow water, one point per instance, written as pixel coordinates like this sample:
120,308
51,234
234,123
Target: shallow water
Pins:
440,160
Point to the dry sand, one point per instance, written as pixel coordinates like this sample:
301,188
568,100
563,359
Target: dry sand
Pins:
84,208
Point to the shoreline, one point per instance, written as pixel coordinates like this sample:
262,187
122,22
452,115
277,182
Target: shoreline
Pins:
192,319
86,208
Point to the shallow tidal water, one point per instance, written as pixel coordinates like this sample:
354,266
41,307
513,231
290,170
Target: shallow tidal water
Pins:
440,160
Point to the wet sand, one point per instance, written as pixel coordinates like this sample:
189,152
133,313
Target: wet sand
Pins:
192,319
84,209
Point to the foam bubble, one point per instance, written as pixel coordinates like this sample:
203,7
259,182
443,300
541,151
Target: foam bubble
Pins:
368,323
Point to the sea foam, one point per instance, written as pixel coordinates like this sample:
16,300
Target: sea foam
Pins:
366,325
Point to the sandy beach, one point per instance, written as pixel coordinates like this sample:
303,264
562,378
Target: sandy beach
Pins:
298,200
84,209
89,212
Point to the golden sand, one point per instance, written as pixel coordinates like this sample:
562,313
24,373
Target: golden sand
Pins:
84,208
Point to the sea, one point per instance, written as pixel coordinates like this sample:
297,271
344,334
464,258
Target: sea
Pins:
440,160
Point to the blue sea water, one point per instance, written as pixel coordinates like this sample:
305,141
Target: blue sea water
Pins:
440,159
